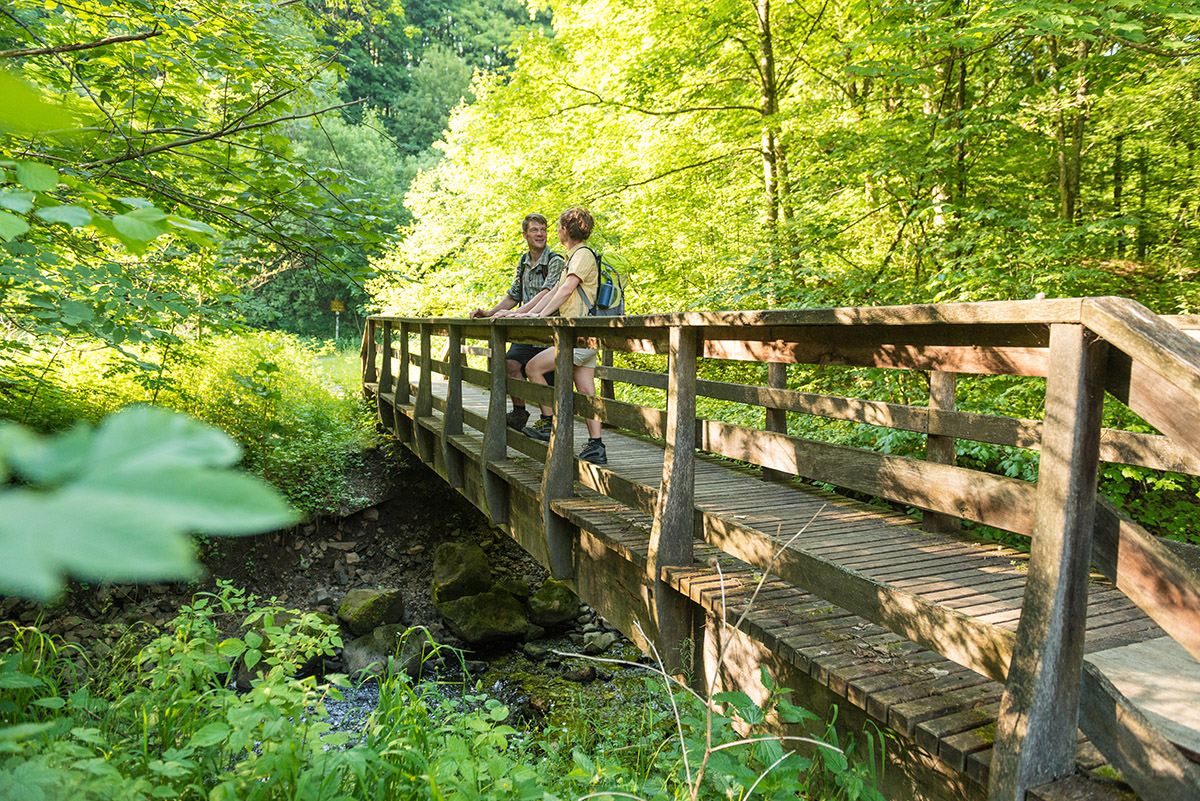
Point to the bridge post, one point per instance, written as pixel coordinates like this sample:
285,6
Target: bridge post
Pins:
776,420
1039,712
368,353
423,437
387,412
403,393
940,449
452,420
672,534
606,384
495,436
559,479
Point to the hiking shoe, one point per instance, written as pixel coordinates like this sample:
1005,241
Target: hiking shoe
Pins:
540,430
517,418
594,453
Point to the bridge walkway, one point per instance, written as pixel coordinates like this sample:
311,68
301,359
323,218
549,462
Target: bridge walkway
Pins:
950,711
699,539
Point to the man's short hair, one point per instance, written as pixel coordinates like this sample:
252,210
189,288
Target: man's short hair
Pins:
533,218
578,222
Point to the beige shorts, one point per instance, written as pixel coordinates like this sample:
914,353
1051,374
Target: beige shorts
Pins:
585,357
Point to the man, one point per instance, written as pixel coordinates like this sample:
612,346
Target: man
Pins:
571,296
537,271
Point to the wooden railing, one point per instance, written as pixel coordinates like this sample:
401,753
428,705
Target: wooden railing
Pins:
1081,347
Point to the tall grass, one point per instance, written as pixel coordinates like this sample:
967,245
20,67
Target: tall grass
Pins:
164,722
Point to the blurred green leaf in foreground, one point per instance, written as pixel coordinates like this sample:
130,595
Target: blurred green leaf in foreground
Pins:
117,501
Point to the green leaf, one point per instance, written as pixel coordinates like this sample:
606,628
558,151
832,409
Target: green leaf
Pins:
74,216
142,225
126,498
147,438
194,226
19,681
20,202
11,226
210,735
51,702
88,735
38,177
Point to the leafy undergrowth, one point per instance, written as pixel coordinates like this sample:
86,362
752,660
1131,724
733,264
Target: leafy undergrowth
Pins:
158,719
293,407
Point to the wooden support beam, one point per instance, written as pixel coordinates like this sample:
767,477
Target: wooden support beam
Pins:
422,437
1039,714
452,418
368,353
998,501
672,534
1150,574
387,412
1151,764
400,385
940,449
559,478
495,436
776,419
606,384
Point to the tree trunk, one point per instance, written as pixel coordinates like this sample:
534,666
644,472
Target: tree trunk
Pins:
774,160
1069,129
1118,188
1143,233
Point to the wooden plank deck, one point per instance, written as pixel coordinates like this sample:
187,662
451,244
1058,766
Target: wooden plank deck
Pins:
945,708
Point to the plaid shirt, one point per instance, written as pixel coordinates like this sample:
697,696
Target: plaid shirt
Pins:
531,280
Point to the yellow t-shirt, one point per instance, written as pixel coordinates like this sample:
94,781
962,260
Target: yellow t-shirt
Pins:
580,262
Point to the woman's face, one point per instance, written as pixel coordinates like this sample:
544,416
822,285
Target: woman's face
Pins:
562,234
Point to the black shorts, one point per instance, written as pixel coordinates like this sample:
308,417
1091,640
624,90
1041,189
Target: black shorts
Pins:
521,352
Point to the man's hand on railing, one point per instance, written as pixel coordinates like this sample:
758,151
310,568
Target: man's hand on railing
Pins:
479,313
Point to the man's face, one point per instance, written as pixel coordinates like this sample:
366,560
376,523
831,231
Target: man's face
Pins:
535,236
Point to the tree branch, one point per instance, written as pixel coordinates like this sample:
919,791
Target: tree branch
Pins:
600,100
191,140
71,48
1155,51
631,184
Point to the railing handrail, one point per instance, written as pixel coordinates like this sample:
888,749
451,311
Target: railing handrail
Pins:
1080,344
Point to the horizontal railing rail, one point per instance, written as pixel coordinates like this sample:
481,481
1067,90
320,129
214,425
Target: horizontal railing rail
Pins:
1081,347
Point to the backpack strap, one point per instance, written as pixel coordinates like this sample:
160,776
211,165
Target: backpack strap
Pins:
591,307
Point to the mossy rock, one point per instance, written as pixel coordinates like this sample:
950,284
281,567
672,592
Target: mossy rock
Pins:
515,587
362,609
460,569
553,604
486,620
409,648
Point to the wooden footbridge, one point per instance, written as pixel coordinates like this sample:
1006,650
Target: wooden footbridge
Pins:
1067,673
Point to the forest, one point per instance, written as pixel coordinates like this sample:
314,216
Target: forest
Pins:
188,190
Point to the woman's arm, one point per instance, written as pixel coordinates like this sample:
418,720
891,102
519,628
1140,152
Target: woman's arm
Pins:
552,300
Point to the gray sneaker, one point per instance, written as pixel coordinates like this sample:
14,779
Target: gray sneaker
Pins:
594,453
517,418
540,430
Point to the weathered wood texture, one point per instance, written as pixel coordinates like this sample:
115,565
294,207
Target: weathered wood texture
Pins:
775,419
559,478
672,534
861,564
1035,736
940,448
